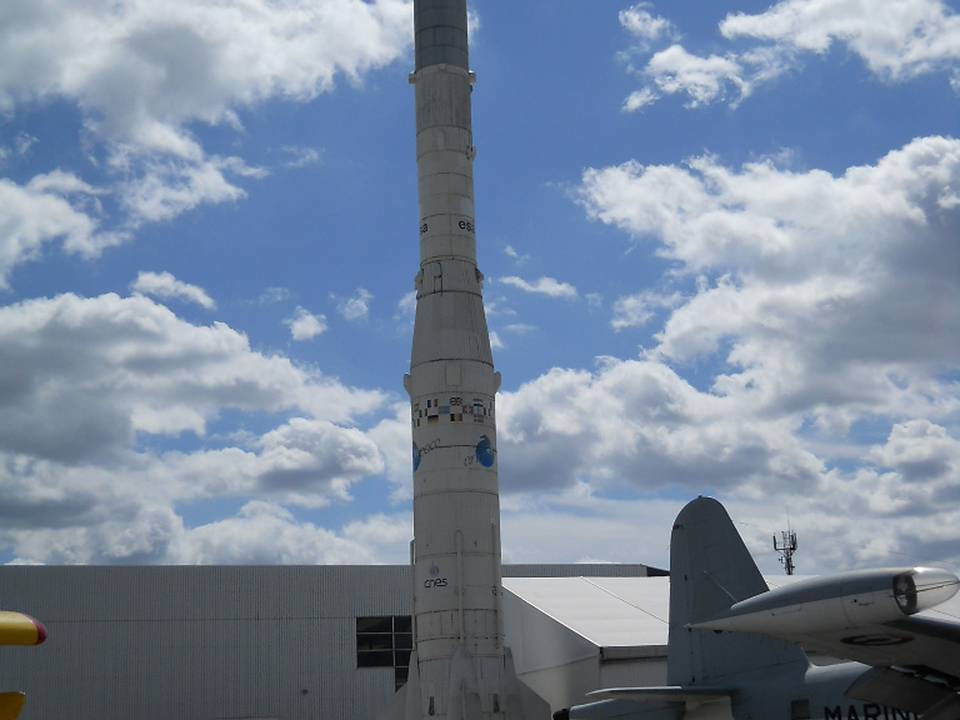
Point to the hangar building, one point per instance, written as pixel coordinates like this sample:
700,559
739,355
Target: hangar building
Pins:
302,642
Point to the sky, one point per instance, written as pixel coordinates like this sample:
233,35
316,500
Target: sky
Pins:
721,243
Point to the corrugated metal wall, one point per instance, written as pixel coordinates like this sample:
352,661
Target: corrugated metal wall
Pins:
211,642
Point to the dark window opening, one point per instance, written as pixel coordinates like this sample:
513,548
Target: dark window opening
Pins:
386,641
800,710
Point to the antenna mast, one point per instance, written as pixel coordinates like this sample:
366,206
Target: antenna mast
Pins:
786,546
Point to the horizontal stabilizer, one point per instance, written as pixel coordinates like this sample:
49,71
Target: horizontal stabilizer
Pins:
11,703
691,696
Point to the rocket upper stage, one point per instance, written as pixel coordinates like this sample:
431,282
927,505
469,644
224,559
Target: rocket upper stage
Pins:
441,33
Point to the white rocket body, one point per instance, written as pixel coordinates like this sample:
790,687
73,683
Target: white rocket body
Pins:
460,669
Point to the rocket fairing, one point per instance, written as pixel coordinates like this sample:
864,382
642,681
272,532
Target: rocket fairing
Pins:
460,667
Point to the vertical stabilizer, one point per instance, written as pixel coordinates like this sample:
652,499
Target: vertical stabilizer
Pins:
710,569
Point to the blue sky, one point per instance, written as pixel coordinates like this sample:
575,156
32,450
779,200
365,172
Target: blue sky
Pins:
720,243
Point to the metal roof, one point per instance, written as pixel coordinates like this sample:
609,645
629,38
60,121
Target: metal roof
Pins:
607,611
624,612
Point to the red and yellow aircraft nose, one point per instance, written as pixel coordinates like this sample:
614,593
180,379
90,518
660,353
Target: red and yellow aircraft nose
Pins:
19,629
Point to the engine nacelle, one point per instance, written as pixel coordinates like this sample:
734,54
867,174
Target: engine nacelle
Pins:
838,602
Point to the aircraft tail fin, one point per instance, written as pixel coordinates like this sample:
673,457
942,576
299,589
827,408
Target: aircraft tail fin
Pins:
11,703
710,570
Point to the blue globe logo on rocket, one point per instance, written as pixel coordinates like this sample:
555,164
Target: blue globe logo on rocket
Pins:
416,457
485,452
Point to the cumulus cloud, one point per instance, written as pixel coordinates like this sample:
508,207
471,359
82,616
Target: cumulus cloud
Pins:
163,190
55,206
637,310
300,157
407,305
80,377
86,383
551,287
832,290
304,325
639,99
639,424
820,304
643,24
165,285
920,451
704,80
261,532
356,307
896,40
267,533
158,69
512,253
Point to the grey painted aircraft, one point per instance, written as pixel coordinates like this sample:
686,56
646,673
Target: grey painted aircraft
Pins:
734,645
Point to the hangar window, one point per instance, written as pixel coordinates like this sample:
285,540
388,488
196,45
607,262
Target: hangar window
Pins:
385,641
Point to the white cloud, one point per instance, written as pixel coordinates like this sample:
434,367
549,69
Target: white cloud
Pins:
85,383
407,305
512,253
356,307
304,325
520,328
273,295
831,291
548,286
80,377
166,189
821,304
23,143
640,424
639,99
267,533
495,342
55,206
157,69
702,79
920,451
631,311
300,157
897,40
644,25
165,285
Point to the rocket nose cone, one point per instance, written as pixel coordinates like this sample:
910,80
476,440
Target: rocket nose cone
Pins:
41,630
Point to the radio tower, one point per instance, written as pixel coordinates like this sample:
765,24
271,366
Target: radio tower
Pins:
786,546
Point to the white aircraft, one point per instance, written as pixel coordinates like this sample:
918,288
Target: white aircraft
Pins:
734,645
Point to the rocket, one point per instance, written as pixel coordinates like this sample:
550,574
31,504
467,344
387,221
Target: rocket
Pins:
460,668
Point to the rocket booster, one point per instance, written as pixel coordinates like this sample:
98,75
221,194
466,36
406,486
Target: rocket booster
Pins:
460,667
452,382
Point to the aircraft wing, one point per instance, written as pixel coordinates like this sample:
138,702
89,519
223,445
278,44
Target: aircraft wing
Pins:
691,696
655,703
913,642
